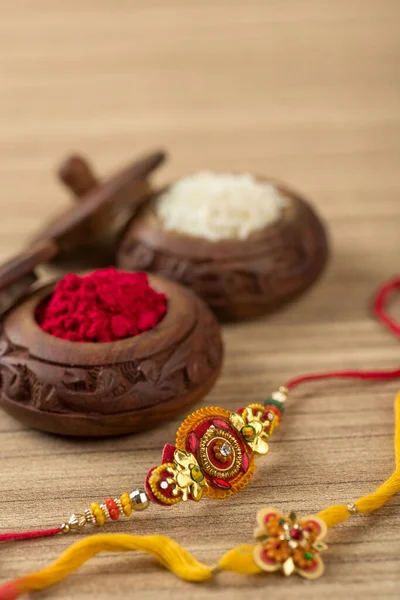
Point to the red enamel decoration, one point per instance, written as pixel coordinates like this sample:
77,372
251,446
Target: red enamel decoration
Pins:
221,424
202,428
245,462
192,442
148,488
296,534
168,453
266,558
167,492
312,567
221,483
313,526
268,517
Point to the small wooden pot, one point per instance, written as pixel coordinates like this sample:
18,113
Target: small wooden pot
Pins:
237,278
88,389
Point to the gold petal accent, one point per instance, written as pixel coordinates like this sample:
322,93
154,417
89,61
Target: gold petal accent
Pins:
259,446
258,426
197,491
184,459
320,546
288,566
237,421
183,480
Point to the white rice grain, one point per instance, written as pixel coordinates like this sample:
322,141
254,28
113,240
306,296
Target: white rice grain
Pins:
218,206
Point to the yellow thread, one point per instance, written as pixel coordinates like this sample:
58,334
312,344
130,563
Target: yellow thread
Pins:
239,560
168,553
337,514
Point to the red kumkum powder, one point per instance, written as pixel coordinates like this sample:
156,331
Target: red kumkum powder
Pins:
105,306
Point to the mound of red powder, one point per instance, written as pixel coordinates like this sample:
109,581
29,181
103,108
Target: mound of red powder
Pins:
105,306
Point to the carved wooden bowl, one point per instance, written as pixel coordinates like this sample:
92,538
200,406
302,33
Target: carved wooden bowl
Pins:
89,389
237,278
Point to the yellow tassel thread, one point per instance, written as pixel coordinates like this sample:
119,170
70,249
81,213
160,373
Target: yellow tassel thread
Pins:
337,514
178,560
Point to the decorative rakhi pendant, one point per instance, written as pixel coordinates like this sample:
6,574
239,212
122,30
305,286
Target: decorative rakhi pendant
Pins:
214,456
289,544
214,452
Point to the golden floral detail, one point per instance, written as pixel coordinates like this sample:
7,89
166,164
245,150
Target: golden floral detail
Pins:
154,481
289,544
224,437
222,451
252,428
186,475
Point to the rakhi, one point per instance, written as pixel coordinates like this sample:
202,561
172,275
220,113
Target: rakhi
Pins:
282,542
214,456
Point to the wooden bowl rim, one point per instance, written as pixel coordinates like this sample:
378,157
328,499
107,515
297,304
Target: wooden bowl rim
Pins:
22,329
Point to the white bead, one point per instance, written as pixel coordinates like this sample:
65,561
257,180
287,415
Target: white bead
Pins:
279,396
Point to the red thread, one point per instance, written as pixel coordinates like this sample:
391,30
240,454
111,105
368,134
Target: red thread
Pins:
380,303
382,375
10,591
105,306
29,535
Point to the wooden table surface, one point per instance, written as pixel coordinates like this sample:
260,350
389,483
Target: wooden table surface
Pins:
307,91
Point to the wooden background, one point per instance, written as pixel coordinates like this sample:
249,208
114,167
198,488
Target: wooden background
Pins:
304,90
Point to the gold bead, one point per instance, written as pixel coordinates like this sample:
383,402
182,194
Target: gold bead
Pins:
140,500
352,508
65,528
76,521
119,505
89,516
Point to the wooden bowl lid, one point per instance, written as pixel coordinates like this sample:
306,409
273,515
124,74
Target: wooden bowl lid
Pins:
122,189
99,204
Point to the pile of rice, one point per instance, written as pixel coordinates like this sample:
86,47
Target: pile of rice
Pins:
217,206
